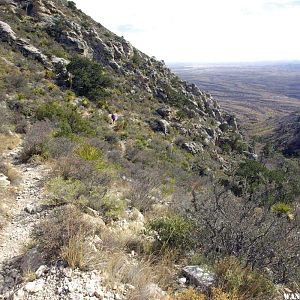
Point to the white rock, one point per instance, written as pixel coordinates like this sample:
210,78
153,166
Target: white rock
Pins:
182,280
41,271
4,180
118,297
19,295
99,294
34,287
199,276
129,286
30,209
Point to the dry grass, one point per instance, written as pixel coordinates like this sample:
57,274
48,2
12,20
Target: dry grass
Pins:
8,142
188,294
12,173
7,197
73,251
193,294
29,275
63,236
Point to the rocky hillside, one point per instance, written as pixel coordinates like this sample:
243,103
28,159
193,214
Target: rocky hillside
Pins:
121,181
51,33
287,136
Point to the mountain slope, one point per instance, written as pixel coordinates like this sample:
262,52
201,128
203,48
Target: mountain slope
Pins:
149,189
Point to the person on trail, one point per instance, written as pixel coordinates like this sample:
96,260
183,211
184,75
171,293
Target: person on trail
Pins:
114,118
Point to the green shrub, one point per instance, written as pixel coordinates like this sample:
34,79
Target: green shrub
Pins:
89,153
176,96
89,78
60,191
113,208
224,127
21,96
71,4
137,59
173,232
282,208
69,119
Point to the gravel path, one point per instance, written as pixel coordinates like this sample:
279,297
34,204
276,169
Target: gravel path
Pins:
15,235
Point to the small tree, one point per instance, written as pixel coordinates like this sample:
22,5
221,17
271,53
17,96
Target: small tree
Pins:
71,4
88,78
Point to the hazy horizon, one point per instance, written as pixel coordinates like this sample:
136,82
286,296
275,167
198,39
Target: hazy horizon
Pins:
259,62
211,31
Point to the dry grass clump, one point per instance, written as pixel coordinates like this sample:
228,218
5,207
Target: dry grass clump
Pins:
6,204
245,283
121,262
73,251
29,275
63,236
193,294
119,267
8,142
10,172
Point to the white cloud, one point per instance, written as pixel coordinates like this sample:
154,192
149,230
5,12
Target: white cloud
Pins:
204,30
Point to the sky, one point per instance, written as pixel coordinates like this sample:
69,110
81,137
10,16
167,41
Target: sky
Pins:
212,31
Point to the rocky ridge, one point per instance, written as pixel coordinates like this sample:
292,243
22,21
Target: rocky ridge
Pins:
149,76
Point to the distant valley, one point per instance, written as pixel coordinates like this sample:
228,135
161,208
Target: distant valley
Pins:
258,94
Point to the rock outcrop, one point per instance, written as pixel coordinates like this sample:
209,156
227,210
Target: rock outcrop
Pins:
199,277
9,36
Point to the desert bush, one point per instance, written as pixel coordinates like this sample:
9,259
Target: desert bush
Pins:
237,144
60,146
230,226
35,140
247,284
73,251
71,4
137,58
89,172
89,78
68,119
143,185
172,231
111,137
175,96
219,294
282,209
62,236
263,185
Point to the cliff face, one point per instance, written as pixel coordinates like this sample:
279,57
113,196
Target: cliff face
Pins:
51,32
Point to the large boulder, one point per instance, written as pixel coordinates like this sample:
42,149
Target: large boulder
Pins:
199,277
